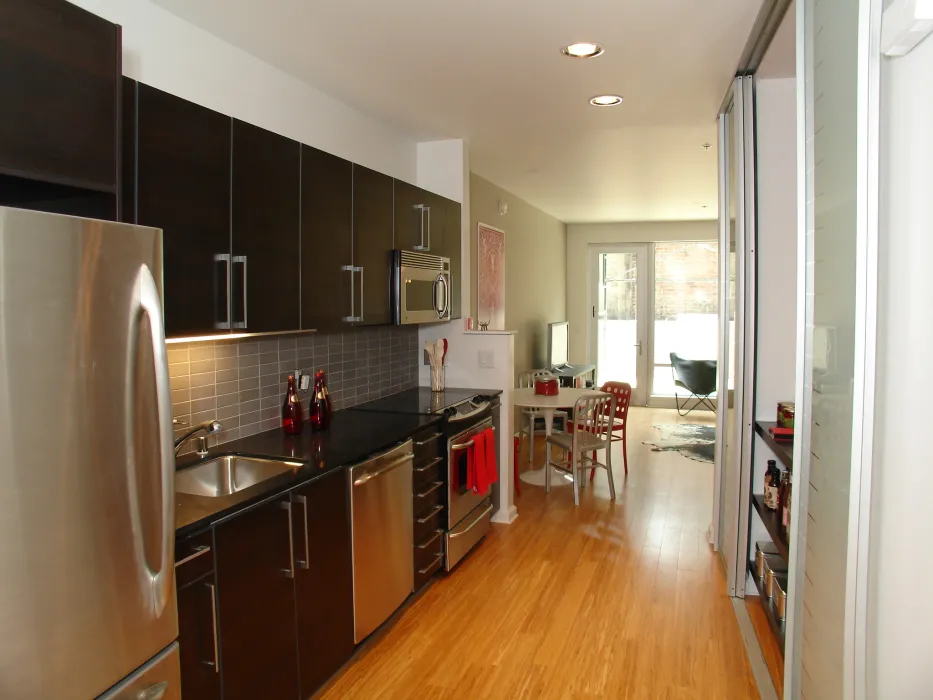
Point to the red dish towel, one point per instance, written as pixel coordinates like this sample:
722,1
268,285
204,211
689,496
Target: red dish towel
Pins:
480,482
492,469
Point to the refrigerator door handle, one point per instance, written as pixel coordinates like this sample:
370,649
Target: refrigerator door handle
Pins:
156,584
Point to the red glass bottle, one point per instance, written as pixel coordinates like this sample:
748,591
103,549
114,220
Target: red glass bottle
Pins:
321,407
292,415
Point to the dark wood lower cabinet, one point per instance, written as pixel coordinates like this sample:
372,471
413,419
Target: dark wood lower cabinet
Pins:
324,581
198,645
256,598
284,593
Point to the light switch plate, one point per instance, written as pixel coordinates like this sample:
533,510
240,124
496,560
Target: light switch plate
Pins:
487,359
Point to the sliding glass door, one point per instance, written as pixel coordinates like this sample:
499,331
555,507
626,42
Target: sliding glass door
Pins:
618,322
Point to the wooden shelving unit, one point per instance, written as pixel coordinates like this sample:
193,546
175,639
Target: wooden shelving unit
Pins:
783,450
772,522
777,625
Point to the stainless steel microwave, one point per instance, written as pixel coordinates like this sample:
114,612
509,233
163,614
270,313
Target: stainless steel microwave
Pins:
420,287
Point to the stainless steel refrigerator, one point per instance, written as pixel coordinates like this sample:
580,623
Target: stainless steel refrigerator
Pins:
87,586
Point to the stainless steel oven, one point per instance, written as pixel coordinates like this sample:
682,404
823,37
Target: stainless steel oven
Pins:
420,288
469,515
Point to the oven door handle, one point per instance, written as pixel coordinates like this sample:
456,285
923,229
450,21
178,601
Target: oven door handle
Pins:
462,446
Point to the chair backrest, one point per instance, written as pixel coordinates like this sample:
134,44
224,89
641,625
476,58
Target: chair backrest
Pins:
623,393
593,414
526,380
699,376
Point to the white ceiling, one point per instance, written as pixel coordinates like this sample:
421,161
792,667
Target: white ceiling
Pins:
491,72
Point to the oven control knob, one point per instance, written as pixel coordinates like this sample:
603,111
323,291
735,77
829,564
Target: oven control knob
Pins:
449,412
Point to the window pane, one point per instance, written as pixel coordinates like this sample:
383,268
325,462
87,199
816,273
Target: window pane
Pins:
686,303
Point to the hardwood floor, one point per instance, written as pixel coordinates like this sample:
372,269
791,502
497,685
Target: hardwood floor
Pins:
608,600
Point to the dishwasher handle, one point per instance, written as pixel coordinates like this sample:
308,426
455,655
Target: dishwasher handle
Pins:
389,467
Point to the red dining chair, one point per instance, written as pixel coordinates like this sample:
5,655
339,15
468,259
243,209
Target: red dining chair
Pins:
623,393
516,477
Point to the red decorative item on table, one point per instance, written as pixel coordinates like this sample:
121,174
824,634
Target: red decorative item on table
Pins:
547,386
292,416
321,408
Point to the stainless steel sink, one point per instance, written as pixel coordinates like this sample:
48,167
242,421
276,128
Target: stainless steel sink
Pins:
226,476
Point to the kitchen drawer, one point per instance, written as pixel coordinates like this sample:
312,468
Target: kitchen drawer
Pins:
427,522
428,445
429,558
194,557
431,470
427,496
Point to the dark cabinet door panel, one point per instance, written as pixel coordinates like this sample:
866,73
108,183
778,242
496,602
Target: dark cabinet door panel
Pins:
323,583
327,241
373,224
453,239
128,151
183,187
60,82
253,562
410,217
197,640
266,230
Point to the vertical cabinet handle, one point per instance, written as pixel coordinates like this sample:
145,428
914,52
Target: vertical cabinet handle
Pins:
306,562
244,322
290,571
224,324
213,663
428,209
362,315
352,269
421,210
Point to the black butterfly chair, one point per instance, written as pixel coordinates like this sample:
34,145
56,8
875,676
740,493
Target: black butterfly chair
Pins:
696,376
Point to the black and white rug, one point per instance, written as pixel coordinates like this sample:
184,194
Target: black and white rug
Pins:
696,442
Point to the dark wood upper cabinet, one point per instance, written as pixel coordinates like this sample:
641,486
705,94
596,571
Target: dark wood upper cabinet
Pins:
324,581
60,82
373,241
183,187
410,217
266,235
256,599
452,241
329,293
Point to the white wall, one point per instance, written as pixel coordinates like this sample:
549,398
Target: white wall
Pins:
776,137
579,239
164,51
900,607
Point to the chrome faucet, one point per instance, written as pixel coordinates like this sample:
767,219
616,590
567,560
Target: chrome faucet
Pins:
210,427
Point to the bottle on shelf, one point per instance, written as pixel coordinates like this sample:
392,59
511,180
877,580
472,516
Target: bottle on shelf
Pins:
786,489
321,407
772,485
292,415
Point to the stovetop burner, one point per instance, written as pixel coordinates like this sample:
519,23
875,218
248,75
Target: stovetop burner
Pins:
423,401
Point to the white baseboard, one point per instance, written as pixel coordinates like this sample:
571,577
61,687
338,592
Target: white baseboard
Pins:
505,518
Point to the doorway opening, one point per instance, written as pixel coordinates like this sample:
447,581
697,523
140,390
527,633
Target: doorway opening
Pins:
649,300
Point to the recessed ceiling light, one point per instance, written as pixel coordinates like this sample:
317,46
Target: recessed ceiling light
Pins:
583,49
606,100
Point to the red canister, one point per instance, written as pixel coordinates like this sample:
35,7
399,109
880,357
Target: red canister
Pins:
547,386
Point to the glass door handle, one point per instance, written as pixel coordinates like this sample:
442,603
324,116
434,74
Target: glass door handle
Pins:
638,345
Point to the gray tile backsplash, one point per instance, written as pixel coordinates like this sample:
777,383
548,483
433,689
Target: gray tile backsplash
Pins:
242,382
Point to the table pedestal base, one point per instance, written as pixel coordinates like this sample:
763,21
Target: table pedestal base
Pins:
535,477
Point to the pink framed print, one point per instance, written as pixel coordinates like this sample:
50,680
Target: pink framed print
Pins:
490,260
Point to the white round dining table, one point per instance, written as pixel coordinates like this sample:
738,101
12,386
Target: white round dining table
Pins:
547,405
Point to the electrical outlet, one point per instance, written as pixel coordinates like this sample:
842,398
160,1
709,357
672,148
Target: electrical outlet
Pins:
487,359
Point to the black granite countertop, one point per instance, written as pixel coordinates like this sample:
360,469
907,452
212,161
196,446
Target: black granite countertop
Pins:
352,437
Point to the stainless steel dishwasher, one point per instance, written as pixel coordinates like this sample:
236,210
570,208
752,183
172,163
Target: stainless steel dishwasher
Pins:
381,516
